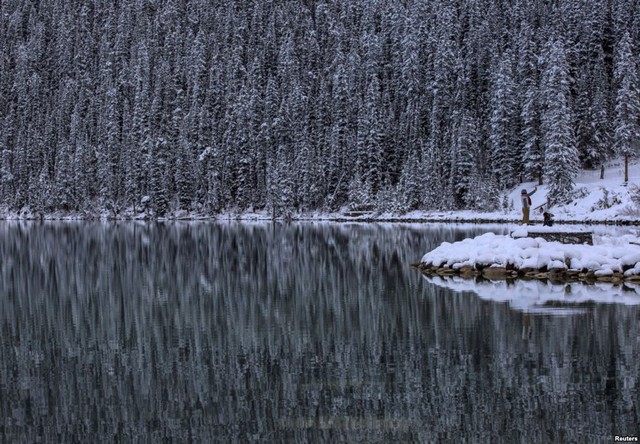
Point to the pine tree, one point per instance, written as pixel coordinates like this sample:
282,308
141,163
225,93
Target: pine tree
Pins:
507,159
159,189
599,148
369,143
627,111
530,105
184,174
82,174
533,149
463,164
561,154
7,184
411,184
438,154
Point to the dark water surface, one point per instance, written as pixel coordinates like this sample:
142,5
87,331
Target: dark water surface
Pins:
310,332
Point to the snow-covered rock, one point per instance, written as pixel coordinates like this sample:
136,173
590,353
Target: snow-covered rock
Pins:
609,256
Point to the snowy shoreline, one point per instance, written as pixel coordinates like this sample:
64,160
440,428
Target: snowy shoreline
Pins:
496,257
595,201
413,217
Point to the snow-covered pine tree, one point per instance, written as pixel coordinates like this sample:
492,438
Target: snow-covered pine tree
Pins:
137,154
159,177
184,173
561,155
463,164
533,149
528,82
627,111
369,141
338,137
593,99
503,135
409,90
82,175
298,145
600,147
437,154
411,185
64,187
6,174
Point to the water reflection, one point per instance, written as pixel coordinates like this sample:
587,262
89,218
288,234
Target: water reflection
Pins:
543,296
233,332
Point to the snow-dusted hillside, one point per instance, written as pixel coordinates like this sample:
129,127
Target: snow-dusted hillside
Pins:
595,199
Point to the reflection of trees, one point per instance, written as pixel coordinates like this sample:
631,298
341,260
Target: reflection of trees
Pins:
218,332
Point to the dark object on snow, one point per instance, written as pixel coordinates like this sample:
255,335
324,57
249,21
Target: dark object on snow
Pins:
547,219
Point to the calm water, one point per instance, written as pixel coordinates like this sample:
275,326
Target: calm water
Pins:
241,333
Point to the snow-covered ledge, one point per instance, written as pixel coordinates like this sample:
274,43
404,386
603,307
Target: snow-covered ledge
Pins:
515,256
564,235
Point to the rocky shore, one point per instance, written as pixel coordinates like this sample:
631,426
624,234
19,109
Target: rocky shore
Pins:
497,272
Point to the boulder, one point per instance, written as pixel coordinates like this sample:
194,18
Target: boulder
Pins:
493,273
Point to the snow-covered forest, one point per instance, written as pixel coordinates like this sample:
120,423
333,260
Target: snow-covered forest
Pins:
302,105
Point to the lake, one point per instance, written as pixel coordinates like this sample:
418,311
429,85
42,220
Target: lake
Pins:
234,332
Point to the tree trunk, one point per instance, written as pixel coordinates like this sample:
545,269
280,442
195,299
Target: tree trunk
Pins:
626,168
540,178
602,172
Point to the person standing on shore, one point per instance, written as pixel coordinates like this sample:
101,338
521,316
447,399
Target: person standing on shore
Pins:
526,204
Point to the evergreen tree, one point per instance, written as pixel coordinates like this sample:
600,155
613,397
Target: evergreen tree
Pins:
437,156
370,138
159,189
561,154
411,184
7,187
530,105
504,145
465,144
184,174
533,149
627,112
